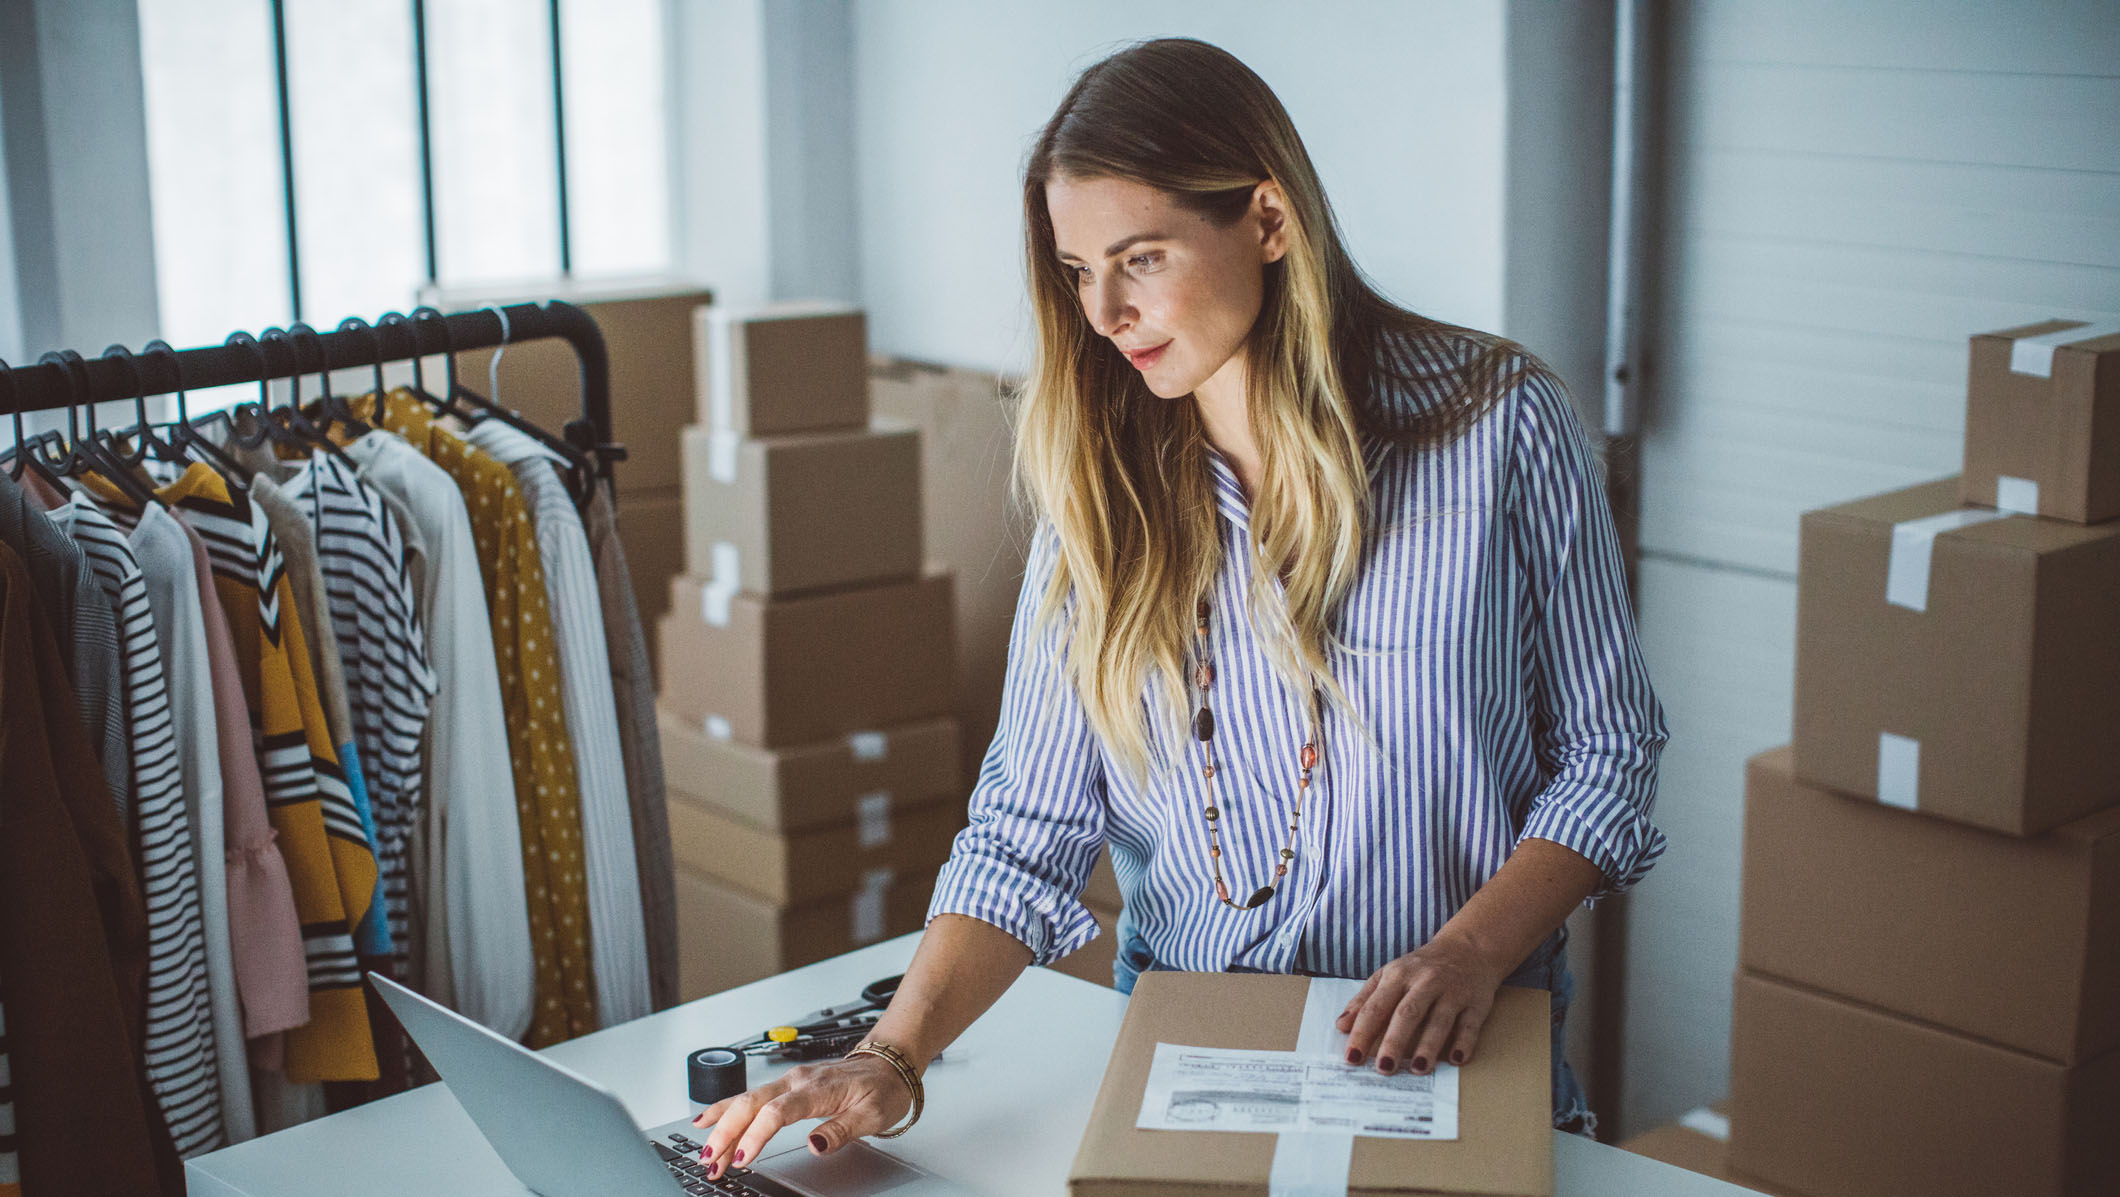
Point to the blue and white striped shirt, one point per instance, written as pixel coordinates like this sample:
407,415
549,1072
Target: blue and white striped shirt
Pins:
1510,701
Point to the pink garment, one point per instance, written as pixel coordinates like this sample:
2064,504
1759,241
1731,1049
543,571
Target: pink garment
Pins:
265,934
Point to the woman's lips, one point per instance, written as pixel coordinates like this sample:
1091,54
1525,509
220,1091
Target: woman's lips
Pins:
1147,357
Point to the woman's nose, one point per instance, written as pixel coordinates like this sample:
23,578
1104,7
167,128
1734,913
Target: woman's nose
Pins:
1108,311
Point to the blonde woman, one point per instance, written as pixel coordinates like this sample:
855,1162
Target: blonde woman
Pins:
1324,628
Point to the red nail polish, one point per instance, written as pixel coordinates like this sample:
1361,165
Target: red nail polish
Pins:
817,1144
1420,1063
1386,1064
738,1158
1353,1056
1457,1057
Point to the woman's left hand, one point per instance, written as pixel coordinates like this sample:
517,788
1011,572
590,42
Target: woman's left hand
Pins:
1422,1009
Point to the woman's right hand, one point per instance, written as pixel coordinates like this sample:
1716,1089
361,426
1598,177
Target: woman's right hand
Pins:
860,1095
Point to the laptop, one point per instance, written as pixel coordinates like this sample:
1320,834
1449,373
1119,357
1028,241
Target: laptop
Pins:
563,1134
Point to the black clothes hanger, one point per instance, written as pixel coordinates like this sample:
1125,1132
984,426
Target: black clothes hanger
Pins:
577,470
293,414
287,425
89,452
143,431
339,409
185,444
26,457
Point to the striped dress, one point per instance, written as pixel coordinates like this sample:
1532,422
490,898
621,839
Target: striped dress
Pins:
180,1032
329,858
1488,646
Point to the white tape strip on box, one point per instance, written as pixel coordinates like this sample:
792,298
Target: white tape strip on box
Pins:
718,728
2035,355
2019,496
869,745
866,907
720,591
723,450
721,372
1316,1163
872,818
1708,1122
1898,771
1913,543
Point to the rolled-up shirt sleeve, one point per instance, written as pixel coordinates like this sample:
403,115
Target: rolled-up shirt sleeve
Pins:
1037,809
1599,729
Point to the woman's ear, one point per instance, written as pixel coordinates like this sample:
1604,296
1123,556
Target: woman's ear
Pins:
1270,209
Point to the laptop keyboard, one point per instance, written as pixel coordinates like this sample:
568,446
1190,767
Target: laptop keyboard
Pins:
681,1156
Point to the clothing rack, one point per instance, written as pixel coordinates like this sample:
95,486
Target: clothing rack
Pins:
45,386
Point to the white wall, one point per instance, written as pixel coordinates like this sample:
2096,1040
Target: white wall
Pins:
1852,191
1401,106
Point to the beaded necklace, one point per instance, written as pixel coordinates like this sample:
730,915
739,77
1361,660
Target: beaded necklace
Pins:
1204,731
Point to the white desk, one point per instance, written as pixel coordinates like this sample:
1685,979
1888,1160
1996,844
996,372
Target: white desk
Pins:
1006,1105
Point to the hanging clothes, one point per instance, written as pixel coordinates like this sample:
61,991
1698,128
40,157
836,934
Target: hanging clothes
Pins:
180,1040
618,941
633,688
470,900
321,836
541,756
73,934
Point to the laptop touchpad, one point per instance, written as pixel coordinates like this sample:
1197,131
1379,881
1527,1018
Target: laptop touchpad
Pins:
855,1168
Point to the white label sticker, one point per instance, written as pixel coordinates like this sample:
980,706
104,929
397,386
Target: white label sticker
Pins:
865,907
2035,355
2019,495
1898,771
721,371
1913,543
722,447
873,818
717,728
869,745
714,602
1708,1122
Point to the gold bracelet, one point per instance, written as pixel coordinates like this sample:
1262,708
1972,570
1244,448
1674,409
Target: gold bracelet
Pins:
896,1059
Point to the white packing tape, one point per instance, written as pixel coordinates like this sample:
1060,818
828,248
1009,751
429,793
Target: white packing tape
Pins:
1913,543
872,818
1316,1163
2035,355
1899,771
1708,1122
716,597
865,908
721,371
723,449
2017,495
717,728
869,745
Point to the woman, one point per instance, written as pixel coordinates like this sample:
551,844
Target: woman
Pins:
1374,548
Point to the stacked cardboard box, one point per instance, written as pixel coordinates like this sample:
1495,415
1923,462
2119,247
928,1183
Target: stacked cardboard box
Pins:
1928,998
807,661
1093,962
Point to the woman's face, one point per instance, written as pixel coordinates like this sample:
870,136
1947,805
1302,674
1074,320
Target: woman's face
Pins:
1169,289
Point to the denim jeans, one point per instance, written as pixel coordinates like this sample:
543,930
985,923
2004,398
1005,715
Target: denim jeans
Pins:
1546,968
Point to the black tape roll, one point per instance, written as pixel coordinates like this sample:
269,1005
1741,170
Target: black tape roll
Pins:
715,1073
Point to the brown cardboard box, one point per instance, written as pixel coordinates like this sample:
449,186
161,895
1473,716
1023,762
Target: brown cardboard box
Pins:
789,868
1505,1102
1683,1147
727,937
1834,1099
812,785
1996,704
651,527
2012,940
805,511
782,367
1092,962
787,671
1102,891
647,327
2042,420
972,523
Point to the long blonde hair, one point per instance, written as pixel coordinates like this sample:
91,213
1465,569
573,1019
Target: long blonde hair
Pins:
1121,475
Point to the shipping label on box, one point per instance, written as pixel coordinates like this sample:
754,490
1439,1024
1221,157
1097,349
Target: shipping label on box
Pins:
2042,420
1960,662
2011,940
805,511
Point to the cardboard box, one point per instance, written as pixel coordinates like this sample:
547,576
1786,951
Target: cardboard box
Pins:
2012,940
1102,891
1505,1099
647,328
971,521
782,367
806,511
813,785
727,937
2042,420
1682,1146
787,671
788,868
1093,961
1971,673
1834,1099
